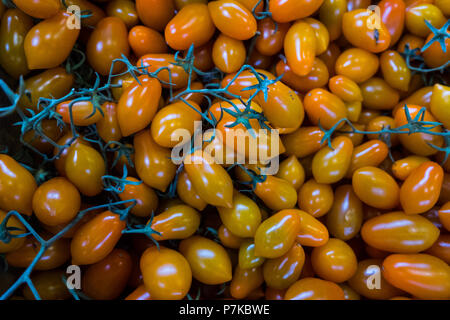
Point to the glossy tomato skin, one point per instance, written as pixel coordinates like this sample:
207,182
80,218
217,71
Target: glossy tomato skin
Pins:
41,9
331,13
444,215
357,64
14,27
345,218
270,42
187,193
56,201
107,42
212,181
163,285
108,126
331,164
368,268
96,239
378,95
314,289
17,186
393,17
125,10
303,142
345,88
439,99
209,261
14,243
192,25
228,239
421,275
153,162
83,112
245,281
441,248
146,198
233,19
285,11
176,222
399,233
144,40
300,48
50,42
335,261
315,198
61,155
246,257
402,168
434,56
371,153
277,194
282,272
276,235
376,188
318,77
243,219
292,170
395,71
85,168
106,279
97,13
420,191
417,13
140,293
228,54
321,105
155,14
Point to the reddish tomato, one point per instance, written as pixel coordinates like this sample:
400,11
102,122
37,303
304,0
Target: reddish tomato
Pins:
191,26
420,191
271,40
106,279
421,275
233,19
146,198
376,188
314,289
209,261
357,64
245,281
161,284
228,54
14,27
144,40
176,222
17,186
324,107
125,10
276,235
96,239
50,42
393,17
300,48
155,14
285,11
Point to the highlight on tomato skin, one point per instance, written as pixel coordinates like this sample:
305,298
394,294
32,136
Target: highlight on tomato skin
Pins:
225,149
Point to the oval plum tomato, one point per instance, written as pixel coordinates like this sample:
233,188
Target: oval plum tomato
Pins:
108,126
52,83
144,40
41,9
94,240
153,162
321,34
315,198
209,261
176,222
292,170
345,88
140,103
355,27
418,143
56,201
155,14
378,95
107,42
50,42
53,257
346,216
285,11
439,99
276,235
402,168
300,48
245,281
331,164
169,120
187,193
49,285
271,40
211,181
61,154
334,261
331,13
444,216
233,19
140,293
282,272
318,77
85,168
228,239
367,269
17,186
125,10
399,233
14,243
247,258
13,30
228,54
376,188
393,17
395,71
81,113
421,275
357,64
277,194
146,198
370,153
243,219
323,107
192,25
161,284
417,14
314,289
420,191
106,279
303,142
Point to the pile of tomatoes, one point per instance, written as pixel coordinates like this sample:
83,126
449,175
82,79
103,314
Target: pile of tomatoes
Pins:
357,89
